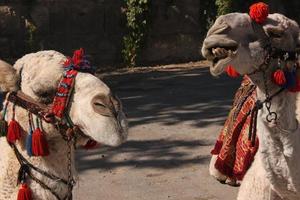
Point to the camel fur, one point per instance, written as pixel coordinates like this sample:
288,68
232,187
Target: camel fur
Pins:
232,40
38,75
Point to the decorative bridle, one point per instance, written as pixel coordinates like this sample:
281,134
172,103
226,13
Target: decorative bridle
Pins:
55,114
283,77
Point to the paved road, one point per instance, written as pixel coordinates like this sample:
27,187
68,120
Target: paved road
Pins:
175,117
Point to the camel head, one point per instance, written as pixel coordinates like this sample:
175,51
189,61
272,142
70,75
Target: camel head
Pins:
93,107
235,40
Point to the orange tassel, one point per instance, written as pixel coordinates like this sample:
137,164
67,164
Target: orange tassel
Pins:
279,77
13,131
39,143
231,71
24,192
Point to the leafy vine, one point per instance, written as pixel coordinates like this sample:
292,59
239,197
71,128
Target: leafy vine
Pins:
224,6
136,12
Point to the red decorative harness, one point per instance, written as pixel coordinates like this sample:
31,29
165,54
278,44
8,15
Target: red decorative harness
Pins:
56,114
237,143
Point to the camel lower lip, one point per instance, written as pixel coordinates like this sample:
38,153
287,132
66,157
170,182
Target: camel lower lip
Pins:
217,61
218,67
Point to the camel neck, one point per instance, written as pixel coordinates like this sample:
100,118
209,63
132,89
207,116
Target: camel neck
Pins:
279,142
284,105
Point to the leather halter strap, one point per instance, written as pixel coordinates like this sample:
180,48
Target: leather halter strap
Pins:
271,52
43,111
28,103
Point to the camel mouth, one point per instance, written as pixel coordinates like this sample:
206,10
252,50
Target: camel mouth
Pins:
87,138
221,56
220,53
119,136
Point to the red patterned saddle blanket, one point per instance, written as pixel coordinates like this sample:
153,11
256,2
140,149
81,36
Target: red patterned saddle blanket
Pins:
234,150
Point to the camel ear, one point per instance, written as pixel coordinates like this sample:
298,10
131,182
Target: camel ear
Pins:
8,77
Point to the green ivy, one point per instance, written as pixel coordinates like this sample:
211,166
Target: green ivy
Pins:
224,6
31,29
136,14
31,42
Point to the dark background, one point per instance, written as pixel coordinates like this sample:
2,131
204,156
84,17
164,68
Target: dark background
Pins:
176,27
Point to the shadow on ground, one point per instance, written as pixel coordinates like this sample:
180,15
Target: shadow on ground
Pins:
165,98
163,154
173,97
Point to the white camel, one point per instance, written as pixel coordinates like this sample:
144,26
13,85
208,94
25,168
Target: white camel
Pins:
39,78
235,40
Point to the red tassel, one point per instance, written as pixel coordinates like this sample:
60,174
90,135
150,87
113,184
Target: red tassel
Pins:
231,71
39,143
68,62
279,77
13,131
91,144
24,192
78,56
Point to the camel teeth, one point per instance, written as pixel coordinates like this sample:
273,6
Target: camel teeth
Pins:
221,53
214,51
232,53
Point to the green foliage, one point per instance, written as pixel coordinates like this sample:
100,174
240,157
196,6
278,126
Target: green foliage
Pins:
208,12
31,43
136,15
224,6
30,39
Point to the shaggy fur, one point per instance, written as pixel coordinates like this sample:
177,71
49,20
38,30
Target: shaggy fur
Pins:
8,77
40,74
275,172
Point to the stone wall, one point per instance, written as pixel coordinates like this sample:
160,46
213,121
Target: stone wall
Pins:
176,31
62,25
98,25
176,28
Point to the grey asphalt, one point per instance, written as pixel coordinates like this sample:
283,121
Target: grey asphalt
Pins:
175,117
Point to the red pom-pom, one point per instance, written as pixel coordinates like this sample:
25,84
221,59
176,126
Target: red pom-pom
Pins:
78,56
13,131
259,12
39,143
279,77
24,192
231,71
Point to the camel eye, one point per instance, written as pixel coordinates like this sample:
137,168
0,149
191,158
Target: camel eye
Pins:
44,94
275,33
99,104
